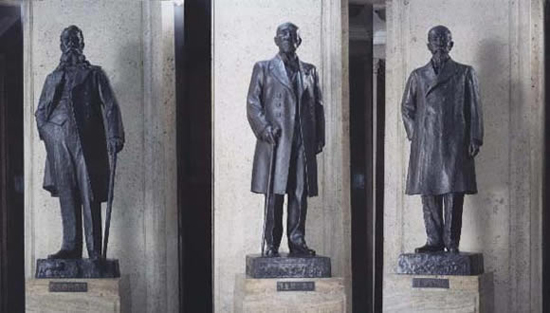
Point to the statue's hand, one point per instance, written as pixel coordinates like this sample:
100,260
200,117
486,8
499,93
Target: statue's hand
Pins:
271,134
115,145
319,149
473,149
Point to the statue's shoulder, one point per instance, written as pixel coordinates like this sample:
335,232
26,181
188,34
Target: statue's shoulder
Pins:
54,74
425,67
53,78
262,63
463,68
98,73
308,66
416,72
96,69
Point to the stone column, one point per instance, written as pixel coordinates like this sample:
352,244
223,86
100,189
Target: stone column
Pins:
503,41
133,42
243,34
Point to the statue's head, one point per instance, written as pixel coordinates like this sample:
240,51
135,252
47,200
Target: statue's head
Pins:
72,46
72,40
287,38
440,41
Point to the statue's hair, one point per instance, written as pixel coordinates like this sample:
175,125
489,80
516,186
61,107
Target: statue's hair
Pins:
290,25
287,24
439,29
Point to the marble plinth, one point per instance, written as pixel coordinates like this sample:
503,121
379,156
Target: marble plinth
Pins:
440,263
287,267
289,295
439,294
73,295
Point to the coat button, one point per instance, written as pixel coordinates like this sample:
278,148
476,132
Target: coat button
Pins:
278,104
279,95
279,114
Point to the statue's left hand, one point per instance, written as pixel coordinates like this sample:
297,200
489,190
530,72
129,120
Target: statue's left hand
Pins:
473,149
115,145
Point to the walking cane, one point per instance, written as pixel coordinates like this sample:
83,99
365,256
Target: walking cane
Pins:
269,193
109,203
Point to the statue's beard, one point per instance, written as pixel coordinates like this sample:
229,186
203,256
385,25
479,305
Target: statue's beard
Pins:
72,57
438,58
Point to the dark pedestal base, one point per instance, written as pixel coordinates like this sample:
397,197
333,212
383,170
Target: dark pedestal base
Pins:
77,268
287,267
440,264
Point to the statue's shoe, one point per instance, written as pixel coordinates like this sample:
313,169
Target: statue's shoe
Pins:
94,255
271,252
66,254
453,250
300,250
427,248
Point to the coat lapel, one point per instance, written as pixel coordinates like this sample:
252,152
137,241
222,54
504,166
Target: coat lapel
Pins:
277,67
448,71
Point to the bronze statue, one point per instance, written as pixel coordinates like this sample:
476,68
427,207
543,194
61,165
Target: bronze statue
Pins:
285,112
79,121
441,111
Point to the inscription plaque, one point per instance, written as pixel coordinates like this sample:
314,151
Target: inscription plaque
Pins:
295,286
430,283
65,286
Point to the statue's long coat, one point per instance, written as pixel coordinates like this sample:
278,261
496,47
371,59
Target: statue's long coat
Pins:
272,102
91,100
442,116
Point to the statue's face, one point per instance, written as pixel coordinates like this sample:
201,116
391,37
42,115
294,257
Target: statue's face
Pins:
72,41
440,41
287,39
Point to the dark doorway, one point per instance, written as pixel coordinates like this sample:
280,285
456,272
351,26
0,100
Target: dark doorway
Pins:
367,100
194,152
12,280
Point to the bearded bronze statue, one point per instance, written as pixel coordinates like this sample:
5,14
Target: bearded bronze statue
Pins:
79,120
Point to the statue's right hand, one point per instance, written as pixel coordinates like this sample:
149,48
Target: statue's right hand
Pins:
271,134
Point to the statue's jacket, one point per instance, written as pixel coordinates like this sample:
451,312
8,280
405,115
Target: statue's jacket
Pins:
97,118
273,102
442,116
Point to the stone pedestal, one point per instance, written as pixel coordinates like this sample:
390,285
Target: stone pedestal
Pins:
77,268
463,263
284,266
289,295
73,295
441,294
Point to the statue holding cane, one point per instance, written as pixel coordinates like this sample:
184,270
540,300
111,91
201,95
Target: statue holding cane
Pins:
285,112
79,120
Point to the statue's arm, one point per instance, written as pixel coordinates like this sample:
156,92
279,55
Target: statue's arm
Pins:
476,116
41,114
319,114
255,109
113,119
408,105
